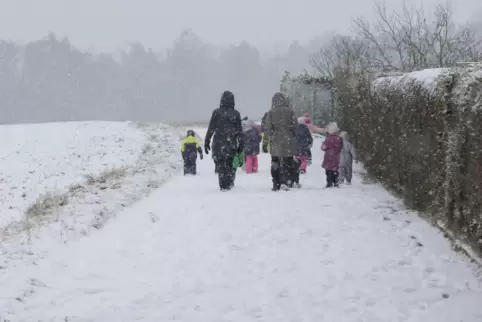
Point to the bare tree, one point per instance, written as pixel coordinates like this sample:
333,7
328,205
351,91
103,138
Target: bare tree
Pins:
408,39
384,38
324,61
341,52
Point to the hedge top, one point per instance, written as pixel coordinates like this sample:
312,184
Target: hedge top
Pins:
430,79
427,78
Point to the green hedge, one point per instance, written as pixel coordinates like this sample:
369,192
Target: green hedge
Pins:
420,134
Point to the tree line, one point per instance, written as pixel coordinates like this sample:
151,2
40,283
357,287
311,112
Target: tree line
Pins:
52,80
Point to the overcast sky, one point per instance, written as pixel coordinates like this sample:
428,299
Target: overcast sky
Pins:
108,24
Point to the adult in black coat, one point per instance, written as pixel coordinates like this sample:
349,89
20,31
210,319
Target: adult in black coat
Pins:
225,126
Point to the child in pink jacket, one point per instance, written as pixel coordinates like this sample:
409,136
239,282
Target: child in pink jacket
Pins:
331,160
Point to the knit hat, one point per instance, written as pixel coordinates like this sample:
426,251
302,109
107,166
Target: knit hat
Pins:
332,128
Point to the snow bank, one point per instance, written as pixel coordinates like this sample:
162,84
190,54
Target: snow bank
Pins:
427,78
94,168
39,158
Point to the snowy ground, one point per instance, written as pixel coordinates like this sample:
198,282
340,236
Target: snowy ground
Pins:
192,253
39,158
81,174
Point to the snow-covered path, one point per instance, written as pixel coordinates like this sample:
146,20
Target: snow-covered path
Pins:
191,253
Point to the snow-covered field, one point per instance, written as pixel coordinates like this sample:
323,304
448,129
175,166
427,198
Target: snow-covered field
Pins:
60,181
192,253
40,158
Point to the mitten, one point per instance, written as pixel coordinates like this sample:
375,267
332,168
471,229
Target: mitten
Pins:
207,147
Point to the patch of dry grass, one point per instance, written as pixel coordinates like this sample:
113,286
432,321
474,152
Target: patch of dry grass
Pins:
45,204
106,175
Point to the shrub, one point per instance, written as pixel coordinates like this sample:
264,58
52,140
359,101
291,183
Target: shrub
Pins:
420,134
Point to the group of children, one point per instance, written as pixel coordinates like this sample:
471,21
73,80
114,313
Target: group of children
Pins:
337,161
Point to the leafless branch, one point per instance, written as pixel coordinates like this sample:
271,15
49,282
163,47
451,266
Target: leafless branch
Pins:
408,39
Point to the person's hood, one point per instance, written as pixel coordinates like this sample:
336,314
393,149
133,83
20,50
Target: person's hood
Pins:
227,100
344,135
279,99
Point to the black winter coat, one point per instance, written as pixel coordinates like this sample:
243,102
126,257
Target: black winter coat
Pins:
263,121
225,126
252,140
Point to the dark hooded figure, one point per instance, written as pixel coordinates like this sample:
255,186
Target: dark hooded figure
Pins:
225,126
280,134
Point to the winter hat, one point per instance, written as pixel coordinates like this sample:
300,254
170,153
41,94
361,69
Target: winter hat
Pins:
227,100
190,133
332,128
249,123
344,135
301,120
279,99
